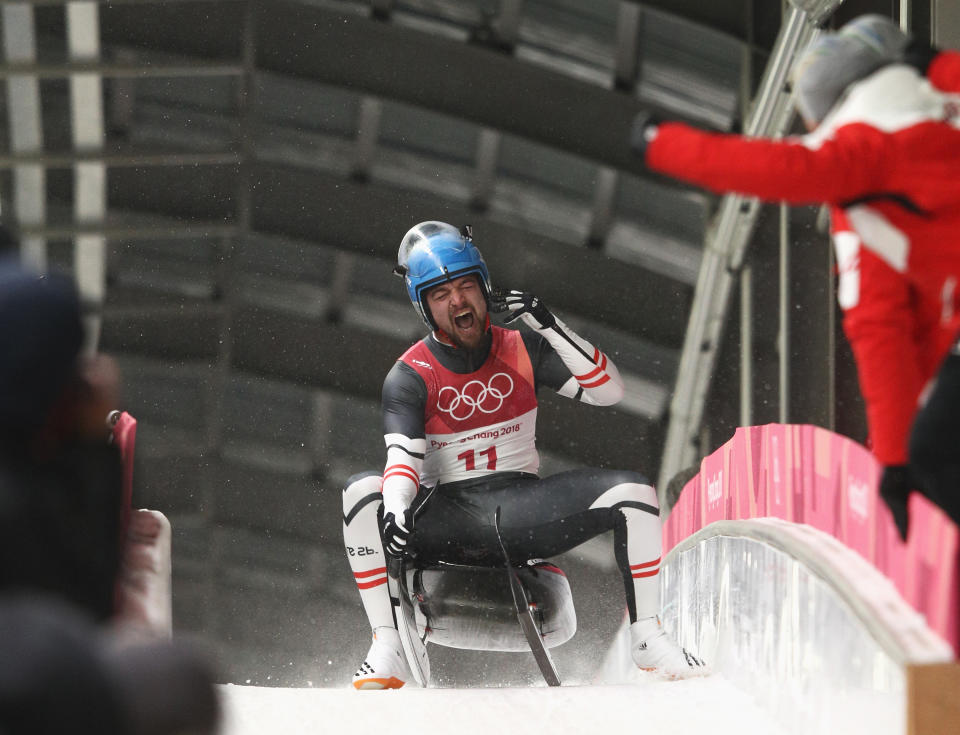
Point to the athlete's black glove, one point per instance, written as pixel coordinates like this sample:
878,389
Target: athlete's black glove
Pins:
895,488
396,532
524,304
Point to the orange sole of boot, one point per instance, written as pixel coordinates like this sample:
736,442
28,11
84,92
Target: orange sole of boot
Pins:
391,683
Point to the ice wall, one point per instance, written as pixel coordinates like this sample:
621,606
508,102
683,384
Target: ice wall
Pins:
811,630
786,573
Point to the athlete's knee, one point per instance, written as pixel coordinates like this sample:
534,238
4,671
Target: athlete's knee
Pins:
629,488
631,477
362,489
643,491
361,476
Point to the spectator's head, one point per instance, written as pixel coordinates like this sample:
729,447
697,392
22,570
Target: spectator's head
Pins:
40,341
836,60
61,673
60,482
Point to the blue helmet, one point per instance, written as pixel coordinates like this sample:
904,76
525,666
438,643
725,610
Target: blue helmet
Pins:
435,252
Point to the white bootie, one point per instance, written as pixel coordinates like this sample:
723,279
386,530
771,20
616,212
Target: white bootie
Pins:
653,650
385,666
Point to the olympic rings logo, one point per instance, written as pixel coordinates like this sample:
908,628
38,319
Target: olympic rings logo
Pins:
475,397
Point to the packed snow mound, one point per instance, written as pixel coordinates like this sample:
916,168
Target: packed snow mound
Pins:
706,704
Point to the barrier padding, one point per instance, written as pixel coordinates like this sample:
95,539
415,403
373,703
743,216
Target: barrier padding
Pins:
806,474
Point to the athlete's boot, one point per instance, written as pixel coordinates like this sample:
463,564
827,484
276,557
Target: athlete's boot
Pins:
653,650
384,667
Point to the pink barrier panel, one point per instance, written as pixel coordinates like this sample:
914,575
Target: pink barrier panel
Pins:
821,498
751,502
125,437
807,474
714,473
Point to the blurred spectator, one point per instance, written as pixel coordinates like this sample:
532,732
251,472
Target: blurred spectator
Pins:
8,242
883,153
60,482
59,674
61,669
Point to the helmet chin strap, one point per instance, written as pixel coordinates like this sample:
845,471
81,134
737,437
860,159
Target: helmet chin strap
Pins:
444,338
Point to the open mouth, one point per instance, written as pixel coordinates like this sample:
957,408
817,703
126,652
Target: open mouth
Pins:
465,320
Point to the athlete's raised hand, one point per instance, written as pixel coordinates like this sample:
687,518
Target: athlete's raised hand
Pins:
528,307
396,532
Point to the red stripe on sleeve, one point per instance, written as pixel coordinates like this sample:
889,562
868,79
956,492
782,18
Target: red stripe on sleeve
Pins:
403,471
646,565
596,383
601,366
587,376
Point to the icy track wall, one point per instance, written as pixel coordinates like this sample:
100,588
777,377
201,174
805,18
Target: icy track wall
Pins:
806,474
786,575
808,628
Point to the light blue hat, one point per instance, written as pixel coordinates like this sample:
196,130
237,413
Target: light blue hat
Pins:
838,59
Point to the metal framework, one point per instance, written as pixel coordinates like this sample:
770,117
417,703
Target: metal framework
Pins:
727,244
26,130
723,258
341,62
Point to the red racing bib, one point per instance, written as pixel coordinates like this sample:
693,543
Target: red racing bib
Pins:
479,422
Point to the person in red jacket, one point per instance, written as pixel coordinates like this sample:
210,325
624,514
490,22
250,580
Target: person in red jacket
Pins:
882,152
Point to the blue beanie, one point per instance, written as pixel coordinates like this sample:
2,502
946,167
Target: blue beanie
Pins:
41,335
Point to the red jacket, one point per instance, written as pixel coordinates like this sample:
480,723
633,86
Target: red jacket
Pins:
887,160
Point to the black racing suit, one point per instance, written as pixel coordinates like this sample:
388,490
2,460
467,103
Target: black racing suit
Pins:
540,518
